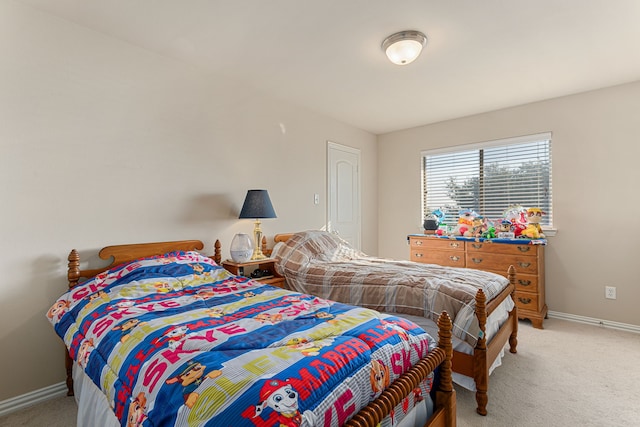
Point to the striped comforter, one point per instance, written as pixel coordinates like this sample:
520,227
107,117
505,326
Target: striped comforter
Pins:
322,264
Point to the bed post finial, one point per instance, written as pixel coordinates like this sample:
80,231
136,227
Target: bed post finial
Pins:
217,253
73,269
265,250
511,275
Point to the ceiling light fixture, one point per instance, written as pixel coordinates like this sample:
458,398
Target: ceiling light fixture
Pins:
404,47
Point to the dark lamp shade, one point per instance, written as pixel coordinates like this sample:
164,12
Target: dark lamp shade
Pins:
257,205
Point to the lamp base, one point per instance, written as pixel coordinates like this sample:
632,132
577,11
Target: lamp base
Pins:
257,250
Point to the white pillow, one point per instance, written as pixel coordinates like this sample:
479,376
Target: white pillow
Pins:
276,248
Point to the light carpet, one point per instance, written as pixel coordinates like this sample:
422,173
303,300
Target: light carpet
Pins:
569,374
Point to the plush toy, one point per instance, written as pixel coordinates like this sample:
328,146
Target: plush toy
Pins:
489,233
438,214
504,226
518,217
477,227
465,223
533,230
505,229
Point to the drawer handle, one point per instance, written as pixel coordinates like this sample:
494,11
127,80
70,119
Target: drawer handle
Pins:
524,248
454,258
418,242
476,245
454,244
524,282
476,260
418,255
524,300
524,264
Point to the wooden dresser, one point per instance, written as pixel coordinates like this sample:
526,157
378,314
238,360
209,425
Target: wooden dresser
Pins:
527,259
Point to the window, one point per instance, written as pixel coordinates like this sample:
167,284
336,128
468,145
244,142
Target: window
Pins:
489,177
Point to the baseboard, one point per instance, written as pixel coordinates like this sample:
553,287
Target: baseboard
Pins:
593,321
19,402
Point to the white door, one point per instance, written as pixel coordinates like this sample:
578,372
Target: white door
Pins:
344,192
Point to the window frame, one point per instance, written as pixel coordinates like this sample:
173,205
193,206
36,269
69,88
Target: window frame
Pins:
549,229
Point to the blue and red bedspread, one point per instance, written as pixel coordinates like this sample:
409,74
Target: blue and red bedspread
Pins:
177,340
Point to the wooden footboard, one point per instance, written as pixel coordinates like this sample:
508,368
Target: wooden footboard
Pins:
477,366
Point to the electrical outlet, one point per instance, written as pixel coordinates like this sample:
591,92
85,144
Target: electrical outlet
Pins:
610,292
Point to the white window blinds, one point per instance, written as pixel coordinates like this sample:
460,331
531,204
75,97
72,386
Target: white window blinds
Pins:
489,177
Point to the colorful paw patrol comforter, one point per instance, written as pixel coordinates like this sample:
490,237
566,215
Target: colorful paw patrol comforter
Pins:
176,340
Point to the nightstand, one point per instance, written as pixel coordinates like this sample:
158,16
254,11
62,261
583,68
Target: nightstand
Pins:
246,268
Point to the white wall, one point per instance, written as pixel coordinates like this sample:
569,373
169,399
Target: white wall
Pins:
595,173
104,143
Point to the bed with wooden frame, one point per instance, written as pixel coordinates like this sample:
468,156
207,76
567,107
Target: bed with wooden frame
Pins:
477,365
444,413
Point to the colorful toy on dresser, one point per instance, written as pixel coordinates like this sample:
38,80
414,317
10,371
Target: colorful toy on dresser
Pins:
534,230
432,221
518,217
465,223
517,222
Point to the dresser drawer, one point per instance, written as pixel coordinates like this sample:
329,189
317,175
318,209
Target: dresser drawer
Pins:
500,262
446,258
436,244
507,249
526,282
526,301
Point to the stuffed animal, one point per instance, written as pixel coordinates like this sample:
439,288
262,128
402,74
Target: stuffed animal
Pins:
504,229
533,230
439,214
489,233
477,227
442,227
504,226
465,223
518,217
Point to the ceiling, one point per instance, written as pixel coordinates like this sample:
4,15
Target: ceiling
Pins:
325,54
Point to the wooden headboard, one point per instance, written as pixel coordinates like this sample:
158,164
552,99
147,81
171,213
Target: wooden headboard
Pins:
124,253
283,237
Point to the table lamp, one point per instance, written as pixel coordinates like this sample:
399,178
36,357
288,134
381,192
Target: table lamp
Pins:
257,205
